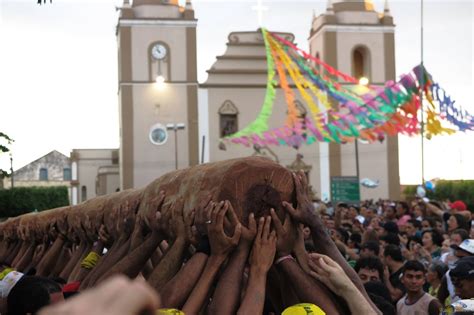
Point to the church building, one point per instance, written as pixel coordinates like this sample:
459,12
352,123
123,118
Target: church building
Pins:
158,94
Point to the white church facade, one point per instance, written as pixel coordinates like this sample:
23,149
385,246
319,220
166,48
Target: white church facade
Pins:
159,95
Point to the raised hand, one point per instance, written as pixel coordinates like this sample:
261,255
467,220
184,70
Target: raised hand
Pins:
90,229
192,234
61,225
286,232
304,211
248,233
264,247
104,237
125,220
221,244
330,273
203,214
177,226
151,207
52,231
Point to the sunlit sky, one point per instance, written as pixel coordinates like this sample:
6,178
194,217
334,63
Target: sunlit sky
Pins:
58,70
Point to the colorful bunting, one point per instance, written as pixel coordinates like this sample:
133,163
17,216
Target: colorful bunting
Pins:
368,112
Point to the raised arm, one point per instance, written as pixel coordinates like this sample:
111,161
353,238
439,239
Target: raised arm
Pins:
47,263
178,289
261,259
306,289
221,246
229,287
327,271
306,214
172,261
131,264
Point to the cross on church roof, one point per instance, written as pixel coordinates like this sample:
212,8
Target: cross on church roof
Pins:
260,8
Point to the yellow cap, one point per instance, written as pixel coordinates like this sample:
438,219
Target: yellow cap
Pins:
169,311
303,309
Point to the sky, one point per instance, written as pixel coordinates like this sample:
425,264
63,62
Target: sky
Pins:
58,70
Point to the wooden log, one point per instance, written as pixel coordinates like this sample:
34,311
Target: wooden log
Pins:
253,184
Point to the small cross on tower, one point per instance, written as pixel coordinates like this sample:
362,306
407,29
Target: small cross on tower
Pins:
260,8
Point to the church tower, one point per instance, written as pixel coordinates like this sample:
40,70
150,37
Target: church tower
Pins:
157,89
355,39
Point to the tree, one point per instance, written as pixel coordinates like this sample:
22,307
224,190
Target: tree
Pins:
4,149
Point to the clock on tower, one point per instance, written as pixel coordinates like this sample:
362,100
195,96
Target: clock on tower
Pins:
156,40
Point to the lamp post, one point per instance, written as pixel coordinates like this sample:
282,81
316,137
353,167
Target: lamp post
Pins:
364,82
175,127
11,168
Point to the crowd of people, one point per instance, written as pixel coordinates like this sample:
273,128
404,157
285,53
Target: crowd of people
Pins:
379,257
415,257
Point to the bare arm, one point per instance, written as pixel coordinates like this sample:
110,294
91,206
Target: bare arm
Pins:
261,260
131,264
434,209
98,248
47,263
64,257
15,249
77,268
229,287
221,245
172,261
305,213
328,272
177,290
27,257
76,255
24,247
307,289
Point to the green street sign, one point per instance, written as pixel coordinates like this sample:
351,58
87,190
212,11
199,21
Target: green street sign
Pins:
345,189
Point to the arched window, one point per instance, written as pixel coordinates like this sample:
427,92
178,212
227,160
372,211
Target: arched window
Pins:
360,62
228,119
83,193
43,174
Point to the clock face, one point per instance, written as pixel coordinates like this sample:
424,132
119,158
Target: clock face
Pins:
159,51
158,134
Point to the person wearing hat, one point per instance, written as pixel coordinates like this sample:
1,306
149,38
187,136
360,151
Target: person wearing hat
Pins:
463,277
447,291
466,248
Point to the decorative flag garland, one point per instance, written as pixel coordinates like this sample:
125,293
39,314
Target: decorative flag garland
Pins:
369,115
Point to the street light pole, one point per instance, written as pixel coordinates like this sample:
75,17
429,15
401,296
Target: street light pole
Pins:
11,168
175,128
357,159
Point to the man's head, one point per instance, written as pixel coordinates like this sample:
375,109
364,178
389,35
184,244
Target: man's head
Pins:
389,227
369,269
436,272
392,254
414,276
32,293
370,213
390,238
412,227
390,213
370,249
463,277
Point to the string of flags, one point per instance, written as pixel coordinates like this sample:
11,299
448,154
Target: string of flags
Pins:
340,109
